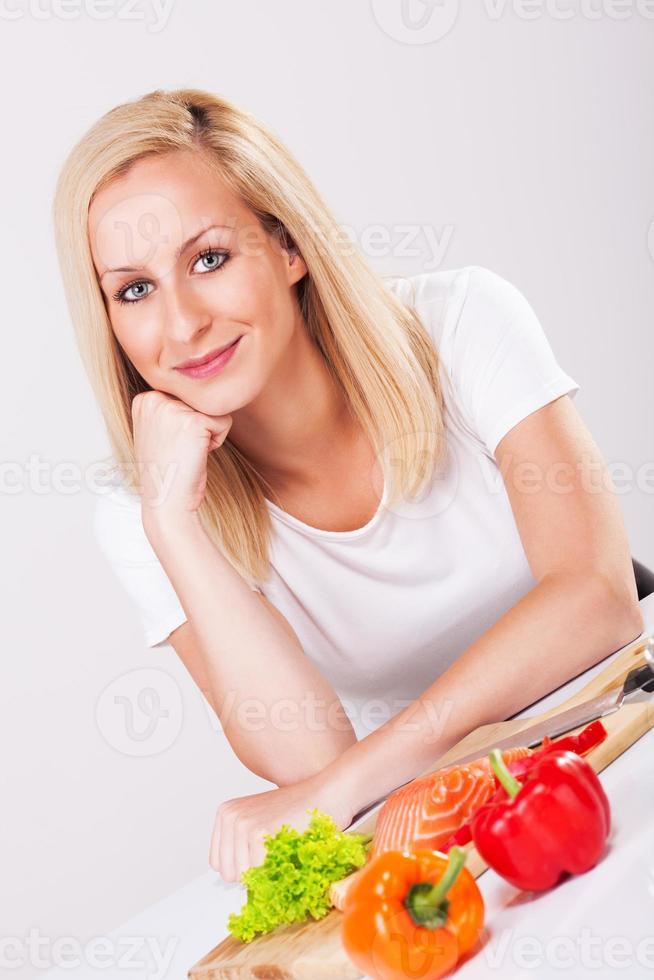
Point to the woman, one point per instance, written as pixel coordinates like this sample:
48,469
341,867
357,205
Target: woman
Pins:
443,545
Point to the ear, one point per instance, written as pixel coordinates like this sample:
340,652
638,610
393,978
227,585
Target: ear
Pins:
296,266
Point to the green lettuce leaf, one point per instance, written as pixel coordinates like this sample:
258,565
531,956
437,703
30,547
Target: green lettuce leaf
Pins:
293,881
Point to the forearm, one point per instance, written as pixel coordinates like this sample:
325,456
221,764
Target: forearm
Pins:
281,716
555,632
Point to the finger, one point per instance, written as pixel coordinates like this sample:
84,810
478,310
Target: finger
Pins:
257,849
219,830
241,852
218,426
214,852
226,848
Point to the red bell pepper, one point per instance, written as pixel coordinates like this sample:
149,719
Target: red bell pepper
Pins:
554,823
460,837
592,735
581,744
587,739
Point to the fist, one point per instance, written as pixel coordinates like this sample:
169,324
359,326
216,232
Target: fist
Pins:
171,444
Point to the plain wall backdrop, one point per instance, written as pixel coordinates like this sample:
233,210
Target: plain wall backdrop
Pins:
515,138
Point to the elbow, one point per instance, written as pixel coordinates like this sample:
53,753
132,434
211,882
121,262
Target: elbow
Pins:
294,756
615,605
311,762
309,767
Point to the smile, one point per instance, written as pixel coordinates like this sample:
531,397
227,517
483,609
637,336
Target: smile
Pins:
212,367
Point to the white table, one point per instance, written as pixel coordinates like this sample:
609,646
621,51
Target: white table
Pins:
600,924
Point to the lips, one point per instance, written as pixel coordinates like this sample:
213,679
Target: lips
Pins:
197,361
213,366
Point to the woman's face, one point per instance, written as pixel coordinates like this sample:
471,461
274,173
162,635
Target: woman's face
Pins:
185,268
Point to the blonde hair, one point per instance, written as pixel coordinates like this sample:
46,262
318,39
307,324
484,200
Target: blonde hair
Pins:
375,346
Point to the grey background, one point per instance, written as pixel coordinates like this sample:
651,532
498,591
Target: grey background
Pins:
521,143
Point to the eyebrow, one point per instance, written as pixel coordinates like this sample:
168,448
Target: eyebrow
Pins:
178,252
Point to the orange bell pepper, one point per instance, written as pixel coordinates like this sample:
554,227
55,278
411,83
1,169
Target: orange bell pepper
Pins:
412,914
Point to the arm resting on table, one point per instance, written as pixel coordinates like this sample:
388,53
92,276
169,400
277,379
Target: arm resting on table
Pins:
583,607
552,634
282,718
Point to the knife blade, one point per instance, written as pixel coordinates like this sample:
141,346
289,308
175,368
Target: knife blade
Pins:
638,685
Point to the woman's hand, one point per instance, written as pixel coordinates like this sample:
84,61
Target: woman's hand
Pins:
237,842
171,444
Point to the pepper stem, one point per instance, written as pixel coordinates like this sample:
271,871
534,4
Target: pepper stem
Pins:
428,904
507,779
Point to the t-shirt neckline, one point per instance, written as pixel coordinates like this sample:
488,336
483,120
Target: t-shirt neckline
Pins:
319,532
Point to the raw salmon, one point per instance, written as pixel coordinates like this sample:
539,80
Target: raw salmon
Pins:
426,811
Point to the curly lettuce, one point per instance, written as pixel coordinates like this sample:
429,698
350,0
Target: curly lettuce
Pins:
293,881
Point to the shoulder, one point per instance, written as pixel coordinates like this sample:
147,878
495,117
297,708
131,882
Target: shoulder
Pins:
498,365
443,298
426,291
472,314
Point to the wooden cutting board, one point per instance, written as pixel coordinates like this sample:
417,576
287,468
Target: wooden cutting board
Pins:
312,950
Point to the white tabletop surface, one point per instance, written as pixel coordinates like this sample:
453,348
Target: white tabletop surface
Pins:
599,924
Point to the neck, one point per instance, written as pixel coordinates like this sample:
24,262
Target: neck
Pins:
301,418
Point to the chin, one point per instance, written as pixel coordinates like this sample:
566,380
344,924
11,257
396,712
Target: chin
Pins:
218,402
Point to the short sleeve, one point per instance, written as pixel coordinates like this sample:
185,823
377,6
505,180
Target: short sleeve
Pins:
499,360
118,530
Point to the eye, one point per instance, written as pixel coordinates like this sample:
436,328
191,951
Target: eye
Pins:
212,253
121,295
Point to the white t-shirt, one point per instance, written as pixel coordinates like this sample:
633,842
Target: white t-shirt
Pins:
383,610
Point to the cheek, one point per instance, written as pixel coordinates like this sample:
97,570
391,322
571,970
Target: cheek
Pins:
141,345
263,299
246,291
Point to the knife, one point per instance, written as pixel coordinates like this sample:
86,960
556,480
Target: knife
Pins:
638,685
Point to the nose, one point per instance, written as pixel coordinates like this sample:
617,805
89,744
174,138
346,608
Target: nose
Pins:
185,316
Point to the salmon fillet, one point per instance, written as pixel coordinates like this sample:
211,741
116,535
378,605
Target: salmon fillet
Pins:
428,810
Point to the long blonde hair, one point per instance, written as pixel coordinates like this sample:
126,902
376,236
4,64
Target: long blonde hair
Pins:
374,345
